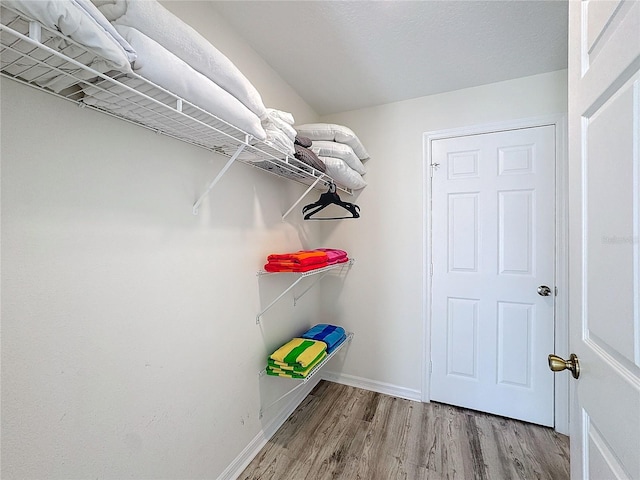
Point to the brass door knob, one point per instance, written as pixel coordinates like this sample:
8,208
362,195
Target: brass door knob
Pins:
557,364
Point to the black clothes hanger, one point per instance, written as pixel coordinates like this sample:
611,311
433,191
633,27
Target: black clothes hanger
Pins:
326,199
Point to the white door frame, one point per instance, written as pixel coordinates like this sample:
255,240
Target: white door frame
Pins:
561,313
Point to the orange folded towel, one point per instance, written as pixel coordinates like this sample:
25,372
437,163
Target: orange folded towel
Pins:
302,257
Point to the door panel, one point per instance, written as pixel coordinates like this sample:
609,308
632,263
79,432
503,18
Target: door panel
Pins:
462,337
604,313
605,338
493,244
515,343
462,251
516,224
609,196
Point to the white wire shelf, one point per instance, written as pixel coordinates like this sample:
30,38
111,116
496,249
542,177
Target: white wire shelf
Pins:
310,375
31,52
300,275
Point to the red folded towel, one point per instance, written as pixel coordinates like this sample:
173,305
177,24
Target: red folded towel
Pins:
302,257
278,267
305,260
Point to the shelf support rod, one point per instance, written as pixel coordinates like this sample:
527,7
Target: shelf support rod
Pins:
267,407
300,199
276,299
295,299
233,158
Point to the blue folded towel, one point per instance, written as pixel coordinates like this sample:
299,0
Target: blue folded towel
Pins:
337,344
330,334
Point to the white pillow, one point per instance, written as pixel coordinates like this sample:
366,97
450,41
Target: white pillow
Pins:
343,174
185,42
83,23
336,133
338,150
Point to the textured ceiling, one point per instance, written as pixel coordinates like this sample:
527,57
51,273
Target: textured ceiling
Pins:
345,55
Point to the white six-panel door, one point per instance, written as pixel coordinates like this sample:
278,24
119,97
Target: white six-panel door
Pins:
493,242
604,160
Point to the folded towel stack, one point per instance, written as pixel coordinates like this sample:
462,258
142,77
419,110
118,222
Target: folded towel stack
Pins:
305,260
332,335
296,358
340,150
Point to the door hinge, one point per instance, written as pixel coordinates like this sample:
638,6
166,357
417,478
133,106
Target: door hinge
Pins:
434,167
555,290
430,366
431,270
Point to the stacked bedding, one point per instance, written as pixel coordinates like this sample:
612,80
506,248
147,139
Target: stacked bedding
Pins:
177,58
305,260
156,22
149,50
296,358
340,150
278,126
158,65
80,21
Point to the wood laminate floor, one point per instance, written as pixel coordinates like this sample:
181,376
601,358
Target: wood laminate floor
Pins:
341,432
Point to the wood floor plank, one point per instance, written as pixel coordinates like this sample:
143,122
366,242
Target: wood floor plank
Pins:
493,448
550,449
344,433
330,457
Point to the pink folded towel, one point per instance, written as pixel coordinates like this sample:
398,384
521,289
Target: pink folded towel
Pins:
335,256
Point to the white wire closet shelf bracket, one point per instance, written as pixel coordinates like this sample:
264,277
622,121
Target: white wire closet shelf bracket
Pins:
322,272
30,52
310,375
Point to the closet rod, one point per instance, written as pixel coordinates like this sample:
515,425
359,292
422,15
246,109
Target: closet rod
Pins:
233,158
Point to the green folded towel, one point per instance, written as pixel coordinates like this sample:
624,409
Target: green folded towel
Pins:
294,367
284,374
295,374
299,352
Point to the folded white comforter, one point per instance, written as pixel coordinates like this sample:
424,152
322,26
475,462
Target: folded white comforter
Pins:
81,21
159,24
161,67
280,131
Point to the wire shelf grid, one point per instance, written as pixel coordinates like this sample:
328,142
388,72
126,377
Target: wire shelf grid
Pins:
33,54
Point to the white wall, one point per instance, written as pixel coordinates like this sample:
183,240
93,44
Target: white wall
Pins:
382,302
129,343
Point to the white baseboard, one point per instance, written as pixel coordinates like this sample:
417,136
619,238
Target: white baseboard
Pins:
372,385
241,462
